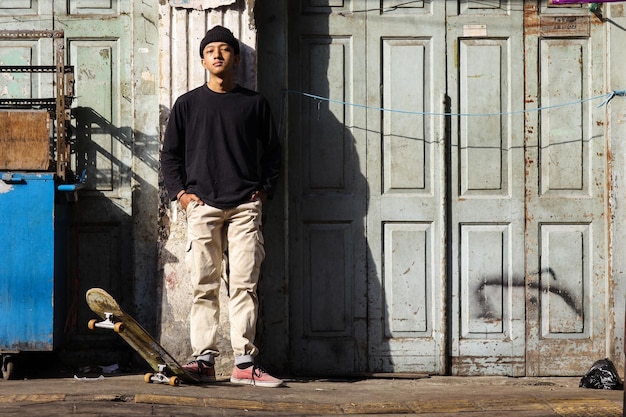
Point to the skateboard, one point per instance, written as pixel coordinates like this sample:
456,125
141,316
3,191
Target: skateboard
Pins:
166,369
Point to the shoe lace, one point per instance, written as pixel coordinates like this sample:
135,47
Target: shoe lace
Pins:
258,371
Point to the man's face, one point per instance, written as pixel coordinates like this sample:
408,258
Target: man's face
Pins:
219,58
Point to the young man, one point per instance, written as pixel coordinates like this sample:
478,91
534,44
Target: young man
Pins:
220,159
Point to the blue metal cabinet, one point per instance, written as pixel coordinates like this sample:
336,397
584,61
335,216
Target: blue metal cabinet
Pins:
33,263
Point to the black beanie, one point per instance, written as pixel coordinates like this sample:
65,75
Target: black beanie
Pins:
219,34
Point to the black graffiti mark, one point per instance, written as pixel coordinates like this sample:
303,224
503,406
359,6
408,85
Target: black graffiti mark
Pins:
556,287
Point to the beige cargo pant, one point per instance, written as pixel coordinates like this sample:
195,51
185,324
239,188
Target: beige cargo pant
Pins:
212,231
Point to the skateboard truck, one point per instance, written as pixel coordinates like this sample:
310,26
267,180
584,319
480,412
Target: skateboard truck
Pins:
107,323
161,378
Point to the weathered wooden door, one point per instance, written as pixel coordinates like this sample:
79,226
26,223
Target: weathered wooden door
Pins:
99,50
485,65
99,45
567,191
328,294
440,222
405,162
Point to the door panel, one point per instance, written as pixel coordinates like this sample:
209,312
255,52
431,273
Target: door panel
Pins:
33,15
328,281
566,192
25,53
486,206
98,109
99,49
405,217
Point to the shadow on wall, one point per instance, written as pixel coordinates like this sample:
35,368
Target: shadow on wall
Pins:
105,237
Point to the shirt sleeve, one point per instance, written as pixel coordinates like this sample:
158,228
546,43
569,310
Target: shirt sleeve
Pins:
173,153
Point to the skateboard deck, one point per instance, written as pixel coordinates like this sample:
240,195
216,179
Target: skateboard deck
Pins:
167,369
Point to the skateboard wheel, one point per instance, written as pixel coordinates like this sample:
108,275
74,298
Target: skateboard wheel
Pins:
175,381
92,324
148,378
119,327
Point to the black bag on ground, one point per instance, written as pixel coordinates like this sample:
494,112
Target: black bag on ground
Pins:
602,375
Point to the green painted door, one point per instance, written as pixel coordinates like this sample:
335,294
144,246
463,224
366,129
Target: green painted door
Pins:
98,46
112,113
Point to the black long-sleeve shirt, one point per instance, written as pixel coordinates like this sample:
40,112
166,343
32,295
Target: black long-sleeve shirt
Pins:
211,146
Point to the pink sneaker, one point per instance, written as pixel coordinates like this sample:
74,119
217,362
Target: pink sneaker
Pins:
204,371
254,375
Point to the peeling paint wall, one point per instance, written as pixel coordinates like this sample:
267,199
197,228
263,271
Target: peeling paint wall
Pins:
181,27
183,24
